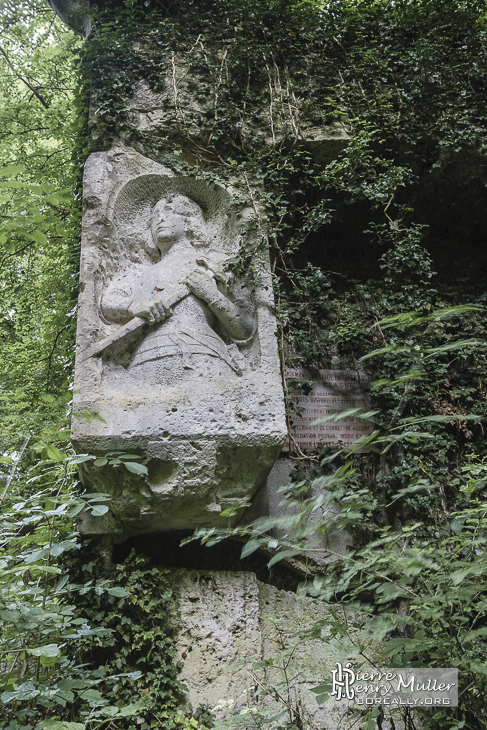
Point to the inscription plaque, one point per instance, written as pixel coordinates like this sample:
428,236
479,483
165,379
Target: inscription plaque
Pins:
335,391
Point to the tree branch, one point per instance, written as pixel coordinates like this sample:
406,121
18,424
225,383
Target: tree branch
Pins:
34,91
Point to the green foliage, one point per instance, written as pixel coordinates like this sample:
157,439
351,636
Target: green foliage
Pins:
134,656
83,644
114,459
46,621
378,256
39,221
421,582
427,599
37,600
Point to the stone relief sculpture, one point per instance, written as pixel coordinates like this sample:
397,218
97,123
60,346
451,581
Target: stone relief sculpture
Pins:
185,296
177,358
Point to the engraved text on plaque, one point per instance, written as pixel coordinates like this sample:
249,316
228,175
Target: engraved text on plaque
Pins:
336,391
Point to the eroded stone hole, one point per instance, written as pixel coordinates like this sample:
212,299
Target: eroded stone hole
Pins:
160,471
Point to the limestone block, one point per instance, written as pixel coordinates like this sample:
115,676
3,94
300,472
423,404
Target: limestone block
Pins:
219,626
269,502
177,359
282,616
232,630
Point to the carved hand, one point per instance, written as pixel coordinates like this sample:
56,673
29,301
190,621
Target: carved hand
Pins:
203,285
152,311
240,324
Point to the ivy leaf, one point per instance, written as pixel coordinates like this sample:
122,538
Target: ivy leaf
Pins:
118,592
59,725
81,458
459,575
283,555
92,695
76,510
250,547
52,452
37,555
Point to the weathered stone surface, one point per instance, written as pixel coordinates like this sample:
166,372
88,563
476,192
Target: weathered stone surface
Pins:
269,502
230,623
219,627
75,13
155,112
177,359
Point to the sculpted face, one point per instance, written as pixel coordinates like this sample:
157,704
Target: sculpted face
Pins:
167,226
174,219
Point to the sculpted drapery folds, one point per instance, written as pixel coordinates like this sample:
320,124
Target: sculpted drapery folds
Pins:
197,323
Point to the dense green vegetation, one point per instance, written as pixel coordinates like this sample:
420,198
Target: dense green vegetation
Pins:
39,222
378,255
66,651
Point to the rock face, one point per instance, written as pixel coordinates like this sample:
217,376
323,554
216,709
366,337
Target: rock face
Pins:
177,358
75,13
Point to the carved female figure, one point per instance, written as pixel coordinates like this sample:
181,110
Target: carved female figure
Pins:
197,323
